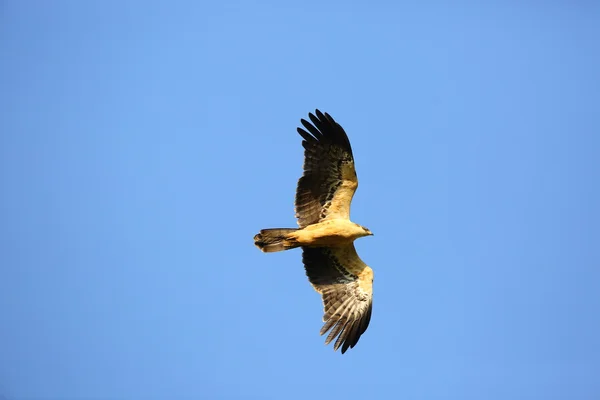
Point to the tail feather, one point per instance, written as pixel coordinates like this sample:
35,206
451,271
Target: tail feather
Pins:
271,240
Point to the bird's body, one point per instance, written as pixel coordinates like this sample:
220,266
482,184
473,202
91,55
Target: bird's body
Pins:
326,233
331,232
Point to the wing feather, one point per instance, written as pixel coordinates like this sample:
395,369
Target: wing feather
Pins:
346,286
329,181
335,331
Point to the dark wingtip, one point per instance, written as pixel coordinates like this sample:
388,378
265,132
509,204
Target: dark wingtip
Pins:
322,125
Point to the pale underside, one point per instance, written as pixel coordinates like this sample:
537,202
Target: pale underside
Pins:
329,232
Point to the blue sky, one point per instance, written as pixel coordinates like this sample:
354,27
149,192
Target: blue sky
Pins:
143,144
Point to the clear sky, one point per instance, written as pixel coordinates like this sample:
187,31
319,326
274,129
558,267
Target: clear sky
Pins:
143,144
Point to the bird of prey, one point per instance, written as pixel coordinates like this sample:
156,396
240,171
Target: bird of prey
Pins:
326,234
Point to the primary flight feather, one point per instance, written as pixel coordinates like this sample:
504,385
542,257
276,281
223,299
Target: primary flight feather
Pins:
326,234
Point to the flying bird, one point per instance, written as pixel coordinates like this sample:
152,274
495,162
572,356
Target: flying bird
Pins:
326,234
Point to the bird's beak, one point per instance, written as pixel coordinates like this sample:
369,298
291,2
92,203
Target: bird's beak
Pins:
370,233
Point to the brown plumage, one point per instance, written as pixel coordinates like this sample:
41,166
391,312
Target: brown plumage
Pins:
326,234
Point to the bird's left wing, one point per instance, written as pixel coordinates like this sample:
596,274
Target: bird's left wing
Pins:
346,286
329,181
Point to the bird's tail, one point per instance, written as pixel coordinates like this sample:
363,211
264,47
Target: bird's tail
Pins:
278,239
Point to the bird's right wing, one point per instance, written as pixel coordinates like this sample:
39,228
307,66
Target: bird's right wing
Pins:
346,286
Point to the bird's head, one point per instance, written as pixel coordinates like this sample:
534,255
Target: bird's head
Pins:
367,231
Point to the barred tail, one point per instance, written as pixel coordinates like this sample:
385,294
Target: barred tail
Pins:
271,240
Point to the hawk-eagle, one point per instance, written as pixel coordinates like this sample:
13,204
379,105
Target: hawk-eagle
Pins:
325,232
